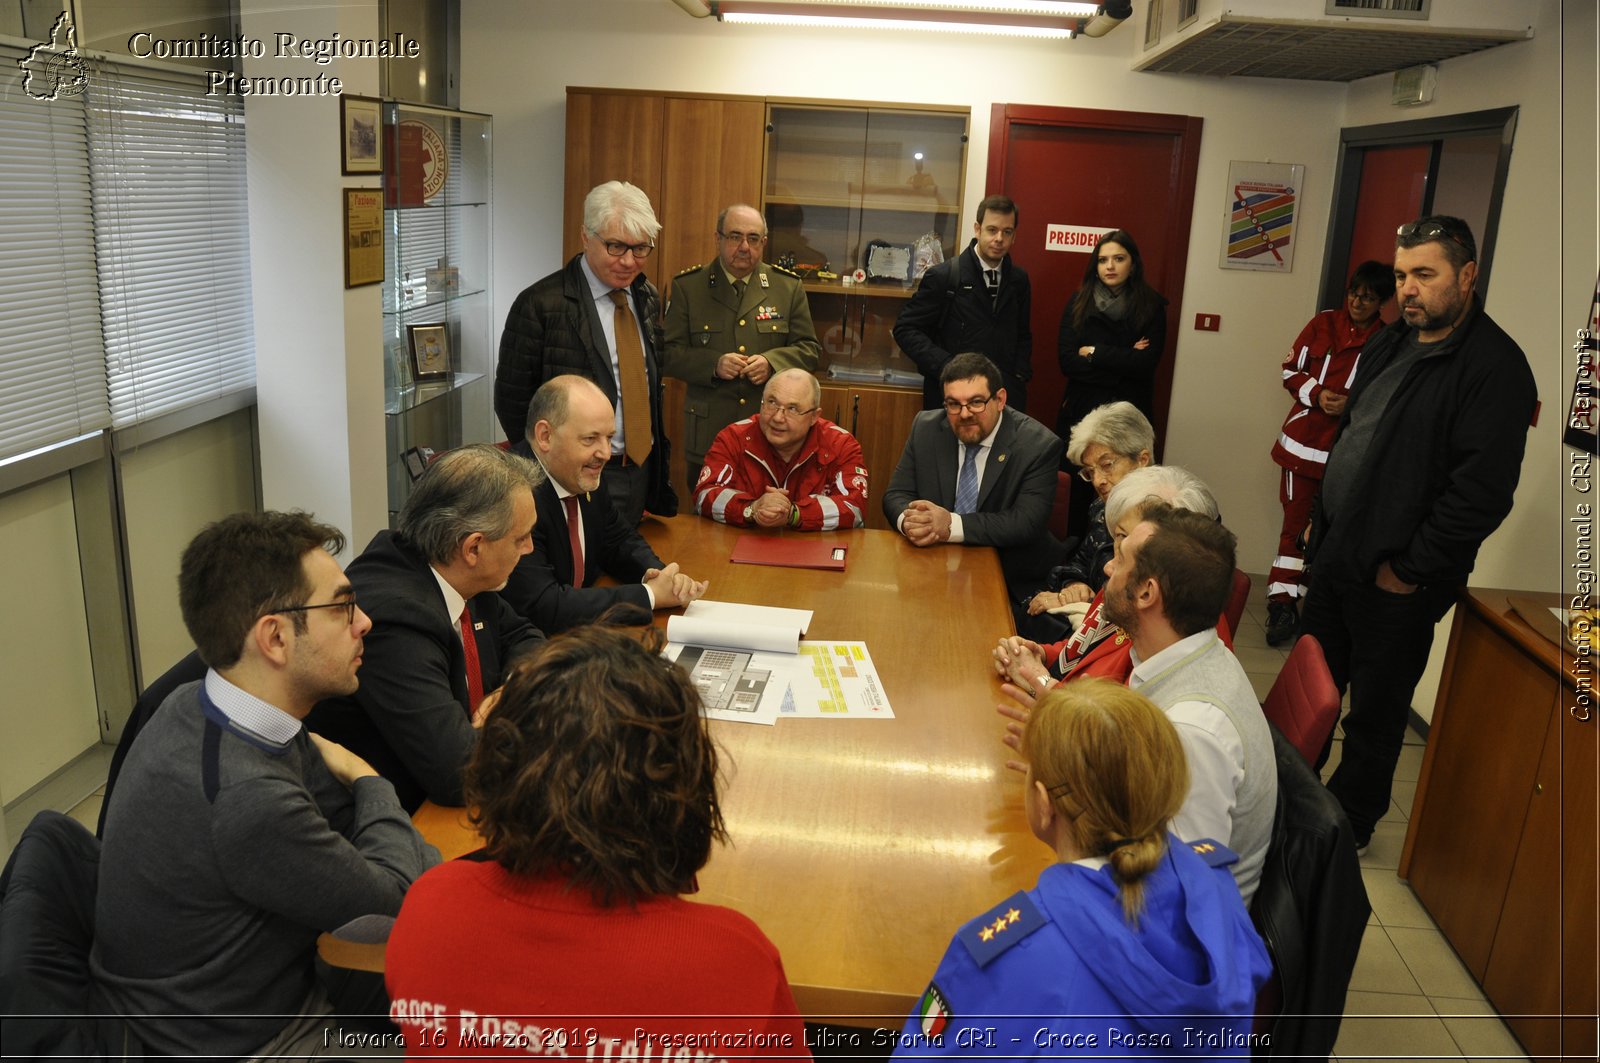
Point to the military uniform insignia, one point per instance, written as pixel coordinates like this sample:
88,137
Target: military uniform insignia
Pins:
1213,852
764,282
786,271
768,313
686,272
933,1012
1000,928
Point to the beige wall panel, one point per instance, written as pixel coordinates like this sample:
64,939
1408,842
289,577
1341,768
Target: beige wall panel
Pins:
47,716
171,489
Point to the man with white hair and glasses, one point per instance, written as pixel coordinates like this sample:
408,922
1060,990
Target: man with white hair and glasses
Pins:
598,317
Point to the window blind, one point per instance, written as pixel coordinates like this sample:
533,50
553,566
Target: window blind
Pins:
52,369
171,227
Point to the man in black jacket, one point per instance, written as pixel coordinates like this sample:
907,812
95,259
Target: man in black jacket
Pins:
599,317
579,537
978,301
1423,470
441,642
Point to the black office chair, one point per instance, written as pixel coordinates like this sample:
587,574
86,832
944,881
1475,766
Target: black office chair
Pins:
189,670
1311,909
47,897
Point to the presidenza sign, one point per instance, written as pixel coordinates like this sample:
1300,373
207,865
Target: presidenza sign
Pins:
1079,238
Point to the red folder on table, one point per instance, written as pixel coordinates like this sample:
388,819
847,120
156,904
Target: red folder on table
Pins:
787,551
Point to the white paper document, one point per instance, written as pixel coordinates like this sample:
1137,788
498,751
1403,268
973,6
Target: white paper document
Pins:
836,680
750,665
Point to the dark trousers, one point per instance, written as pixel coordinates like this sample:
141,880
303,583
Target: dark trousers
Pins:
627,486
1377,647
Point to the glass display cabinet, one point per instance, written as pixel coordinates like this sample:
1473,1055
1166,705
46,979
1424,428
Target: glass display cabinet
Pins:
439,336
860,201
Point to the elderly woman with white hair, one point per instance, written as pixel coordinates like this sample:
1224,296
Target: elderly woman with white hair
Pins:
1110,442
1098,647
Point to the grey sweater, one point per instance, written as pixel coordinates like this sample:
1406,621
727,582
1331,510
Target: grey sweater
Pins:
211,908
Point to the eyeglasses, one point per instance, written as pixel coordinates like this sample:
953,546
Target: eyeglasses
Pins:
773,406
616,248
1103,467
1364,297
349,608
1423,230
952,407
753,239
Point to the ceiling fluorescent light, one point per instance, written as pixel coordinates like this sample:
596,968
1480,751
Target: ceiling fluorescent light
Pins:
862,16
1057,8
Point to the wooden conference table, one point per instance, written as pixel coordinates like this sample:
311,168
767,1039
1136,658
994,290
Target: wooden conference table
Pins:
860,846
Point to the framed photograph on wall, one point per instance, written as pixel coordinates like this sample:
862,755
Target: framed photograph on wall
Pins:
1263,204
430,352
360,135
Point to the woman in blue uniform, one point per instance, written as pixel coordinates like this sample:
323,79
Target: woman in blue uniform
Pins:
1134,943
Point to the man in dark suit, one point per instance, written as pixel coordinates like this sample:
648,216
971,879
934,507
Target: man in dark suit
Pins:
570,426
598,317
978,301
980,473
440,644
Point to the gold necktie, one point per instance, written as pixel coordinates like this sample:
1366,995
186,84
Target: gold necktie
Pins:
633,386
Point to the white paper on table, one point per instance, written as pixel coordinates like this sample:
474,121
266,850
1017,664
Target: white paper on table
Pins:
742,613
836,680
733,626
734,684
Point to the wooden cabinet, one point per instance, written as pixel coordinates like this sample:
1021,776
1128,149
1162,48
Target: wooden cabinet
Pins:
852,188
880,419
1502,839
692,155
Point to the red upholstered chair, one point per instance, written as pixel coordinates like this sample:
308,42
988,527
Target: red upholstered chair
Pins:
1304,703
1236,599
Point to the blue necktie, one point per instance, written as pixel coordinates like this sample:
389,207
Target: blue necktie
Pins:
967,481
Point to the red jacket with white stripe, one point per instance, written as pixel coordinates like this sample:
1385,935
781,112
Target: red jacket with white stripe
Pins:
827,479
1324,357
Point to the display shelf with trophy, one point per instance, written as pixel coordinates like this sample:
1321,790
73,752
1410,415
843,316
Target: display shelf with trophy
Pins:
860,201
437,307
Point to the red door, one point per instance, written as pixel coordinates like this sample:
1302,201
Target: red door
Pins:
1394,183
1103,170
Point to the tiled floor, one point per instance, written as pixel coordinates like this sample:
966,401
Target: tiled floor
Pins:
1410,996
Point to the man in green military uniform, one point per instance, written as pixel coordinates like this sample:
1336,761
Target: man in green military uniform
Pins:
730,325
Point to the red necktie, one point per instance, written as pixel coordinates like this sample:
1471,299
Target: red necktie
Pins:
469,643
571,502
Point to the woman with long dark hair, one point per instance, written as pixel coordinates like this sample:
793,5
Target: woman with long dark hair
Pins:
594,785
1112,334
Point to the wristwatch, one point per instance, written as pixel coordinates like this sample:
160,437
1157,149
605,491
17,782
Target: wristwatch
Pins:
748,511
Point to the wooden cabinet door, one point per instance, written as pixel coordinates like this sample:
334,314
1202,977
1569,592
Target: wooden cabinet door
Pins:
1523,977
610,137
712,160
1580,903
880,419
1482,759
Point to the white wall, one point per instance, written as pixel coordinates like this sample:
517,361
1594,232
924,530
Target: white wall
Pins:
319,347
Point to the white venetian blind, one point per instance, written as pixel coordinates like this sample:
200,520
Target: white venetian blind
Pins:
172,233
52,365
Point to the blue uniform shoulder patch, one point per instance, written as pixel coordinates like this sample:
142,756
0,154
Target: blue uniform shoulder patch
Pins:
1000,928
1213,852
